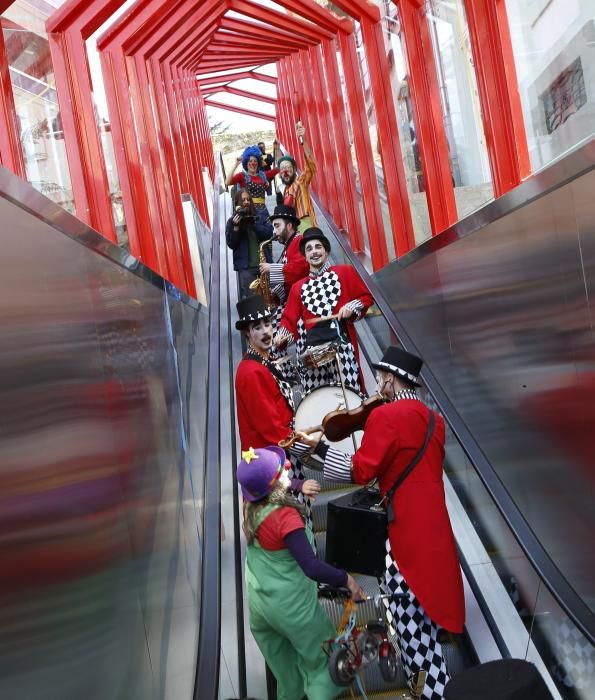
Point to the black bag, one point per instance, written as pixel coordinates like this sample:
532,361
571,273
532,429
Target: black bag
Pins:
357,523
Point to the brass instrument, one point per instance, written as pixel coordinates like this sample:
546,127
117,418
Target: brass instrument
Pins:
261,284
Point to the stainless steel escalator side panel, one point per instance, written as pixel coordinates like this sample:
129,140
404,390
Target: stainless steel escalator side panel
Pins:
504,318
101,464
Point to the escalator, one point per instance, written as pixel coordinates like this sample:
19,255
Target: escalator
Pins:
527,592
121,557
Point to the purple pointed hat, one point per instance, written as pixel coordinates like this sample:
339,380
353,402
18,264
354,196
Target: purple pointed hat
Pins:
259,471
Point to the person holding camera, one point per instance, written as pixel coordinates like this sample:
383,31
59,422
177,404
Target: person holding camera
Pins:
244,232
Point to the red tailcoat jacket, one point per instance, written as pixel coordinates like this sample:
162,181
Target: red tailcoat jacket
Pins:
421,537
352,288
264,416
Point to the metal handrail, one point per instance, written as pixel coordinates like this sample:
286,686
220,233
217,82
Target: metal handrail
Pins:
206,684
568,599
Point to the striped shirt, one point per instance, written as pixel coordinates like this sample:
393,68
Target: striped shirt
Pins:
297,195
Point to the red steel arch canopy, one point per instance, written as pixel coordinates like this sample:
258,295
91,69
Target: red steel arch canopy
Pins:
164,61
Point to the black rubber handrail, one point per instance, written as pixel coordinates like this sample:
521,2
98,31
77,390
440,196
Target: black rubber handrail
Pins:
206,684
568,599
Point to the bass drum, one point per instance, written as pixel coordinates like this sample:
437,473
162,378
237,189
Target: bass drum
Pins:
319,403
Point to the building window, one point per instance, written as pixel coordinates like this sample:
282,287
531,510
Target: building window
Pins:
554,52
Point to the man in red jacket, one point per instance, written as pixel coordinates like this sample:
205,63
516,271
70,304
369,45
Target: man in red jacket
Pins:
264,399
421,559
328,292
292,265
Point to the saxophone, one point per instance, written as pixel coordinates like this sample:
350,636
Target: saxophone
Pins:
261,284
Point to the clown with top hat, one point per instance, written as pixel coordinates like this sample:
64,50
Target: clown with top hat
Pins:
264,398
403,447
323,307
282,571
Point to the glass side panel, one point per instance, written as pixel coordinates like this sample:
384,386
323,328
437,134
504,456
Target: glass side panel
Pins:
104,127
450,44
358,186
504,318
554,52
399,79
36,101
374,140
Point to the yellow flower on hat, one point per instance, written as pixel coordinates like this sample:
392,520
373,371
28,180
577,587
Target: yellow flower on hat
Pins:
249,455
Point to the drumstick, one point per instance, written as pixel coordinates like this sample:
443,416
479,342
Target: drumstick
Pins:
312,321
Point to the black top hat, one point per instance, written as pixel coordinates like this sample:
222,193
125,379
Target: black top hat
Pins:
287,213
401,363
314,234
251,309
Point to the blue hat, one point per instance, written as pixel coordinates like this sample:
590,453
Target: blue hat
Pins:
259,471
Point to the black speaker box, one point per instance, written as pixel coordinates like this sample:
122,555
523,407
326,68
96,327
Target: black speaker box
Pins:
356,533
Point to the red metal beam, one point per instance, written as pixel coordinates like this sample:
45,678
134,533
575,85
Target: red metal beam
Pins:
297,105
359,9
498,91
328,153
232,77
135,165
363,150
254,30
240,110
307,99
310,10
81,136
298,27
11,153
236,40
216,48
429,117
250,95
134,193
211,65
395,183
342,147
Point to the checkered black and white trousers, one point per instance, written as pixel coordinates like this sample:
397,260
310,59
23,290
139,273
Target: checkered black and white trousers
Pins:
416,632
298,473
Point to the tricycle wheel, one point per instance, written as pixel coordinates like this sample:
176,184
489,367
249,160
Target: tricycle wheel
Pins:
341,667
388,663
367,644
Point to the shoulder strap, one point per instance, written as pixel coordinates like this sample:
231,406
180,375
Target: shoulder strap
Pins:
404,474
267,365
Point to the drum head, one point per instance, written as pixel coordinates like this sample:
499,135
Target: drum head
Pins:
319,403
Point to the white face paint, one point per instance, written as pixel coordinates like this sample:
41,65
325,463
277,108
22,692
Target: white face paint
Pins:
260,335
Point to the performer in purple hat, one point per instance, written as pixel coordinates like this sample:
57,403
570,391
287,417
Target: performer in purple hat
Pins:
286,618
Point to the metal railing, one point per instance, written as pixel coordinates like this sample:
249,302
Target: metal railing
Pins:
206,686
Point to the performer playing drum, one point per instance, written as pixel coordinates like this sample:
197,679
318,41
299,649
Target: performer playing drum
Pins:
336,293
264,398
